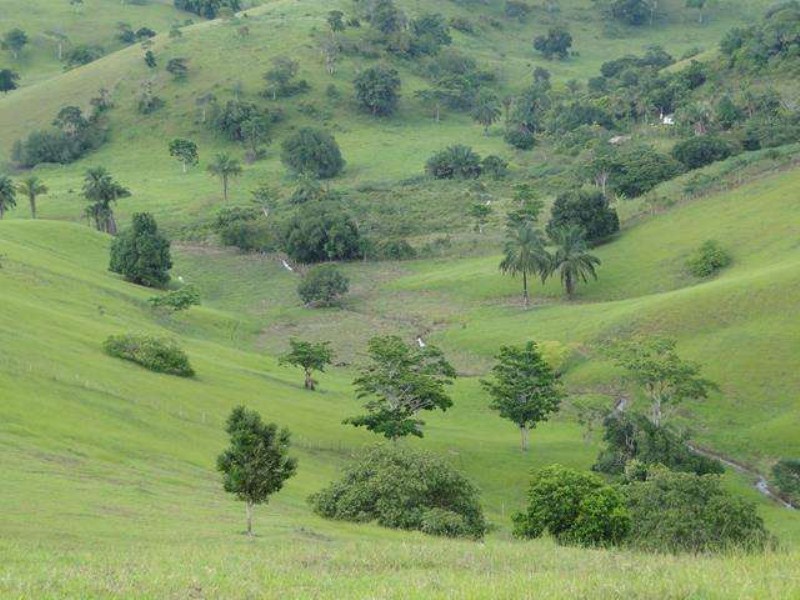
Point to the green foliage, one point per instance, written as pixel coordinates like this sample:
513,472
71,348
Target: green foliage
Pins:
313,152
700,151
83,54
770,41
225,167
454,162
14,41
631,437
588,210
378,90
102,192
141,254
257,464
32,187
494,166
8,195
155,354
394,249
487,110
786,476
683,512
524,254
321,231
571,258
709,259
8,80
556,43
178,68
209,9
399,382
281,79
397,487
310,357
185,151
634,169
573,507
150,59
524,389
631,12
323,285
177,300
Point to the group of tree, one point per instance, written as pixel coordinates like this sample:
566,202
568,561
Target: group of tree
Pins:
141,254
8,80
209,9
462,162
31,187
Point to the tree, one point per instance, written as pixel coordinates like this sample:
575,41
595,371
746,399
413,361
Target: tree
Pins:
487,110
8,80
557,42
321,231
588,210
479,211
280,78
699,5
14,41
257,462
525,389
178,68
8,195
150,59
653,364
571,258
100,189
525,254
454,162
185,151
700,151
32,187
210,9
399,382
528,207
323,285
313,151
225,167
631,12
141,254
335,20
310,357
377,90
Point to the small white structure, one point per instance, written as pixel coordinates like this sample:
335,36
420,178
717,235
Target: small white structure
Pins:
420,342
667,119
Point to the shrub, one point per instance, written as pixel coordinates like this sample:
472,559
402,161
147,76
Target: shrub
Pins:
454,162
313,152
494,166
700,151
378,90
207,8
395,250
588,210
574,507
708,259
520,137
321,231
405,489
786,475
256,235
141,253
684,512
156,354
177,300
323,285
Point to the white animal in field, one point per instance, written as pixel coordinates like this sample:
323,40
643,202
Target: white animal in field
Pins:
420,342
287,266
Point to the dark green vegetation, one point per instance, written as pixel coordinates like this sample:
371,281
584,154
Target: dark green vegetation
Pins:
141,254
156,354
323,285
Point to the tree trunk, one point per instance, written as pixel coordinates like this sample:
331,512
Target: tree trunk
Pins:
310,383
111,224
569,284
33,206
184,165
249,509
2,211
525,298
225,187
438,112
657,412
524,437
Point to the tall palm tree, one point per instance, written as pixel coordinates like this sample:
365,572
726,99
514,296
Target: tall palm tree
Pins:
100,189
525,253
225,167
571,258
8,195
32,187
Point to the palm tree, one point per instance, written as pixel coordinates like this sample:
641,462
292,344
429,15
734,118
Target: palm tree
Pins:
32,187
8,194
571,258
487,110
102,191
525,253
225,167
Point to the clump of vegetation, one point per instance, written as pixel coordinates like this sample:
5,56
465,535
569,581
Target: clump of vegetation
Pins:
313,152
573,507
209,9
589,211
155,354
321,231
323,285
310,357
709,259
404,489
177,300
141,254
700,151
454,162
786,475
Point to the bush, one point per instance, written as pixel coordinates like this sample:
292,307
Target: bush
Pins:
177,300
156,354
700,151
395,250
323,285
494,166
684,512
520,137
786,476
574,507
708,259
141,253
454,162
404,489
256,235
207,8
321,231
588,210
71,139
633,437
313,152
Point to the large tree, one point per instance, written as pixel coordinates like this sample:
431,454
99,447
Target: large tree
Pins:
141,254
571,258
487,110
8,80
185,151
377,90
102,192
524,389
312,152
588,210
225,167
14,41
31,187
257,462
653,364
557,42
525,254
399,382
8,194
310,357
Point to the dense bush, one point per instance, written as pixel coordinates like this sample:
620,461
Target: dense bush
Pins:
700,151
207,8
405,489
395,249
786,476
637,169
454,162
378,90
684,512
177,300
520,137
323,285
82,54
141,253
574,507
633,437
708,259
588,210
321,231
313,152
156,354
494,167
